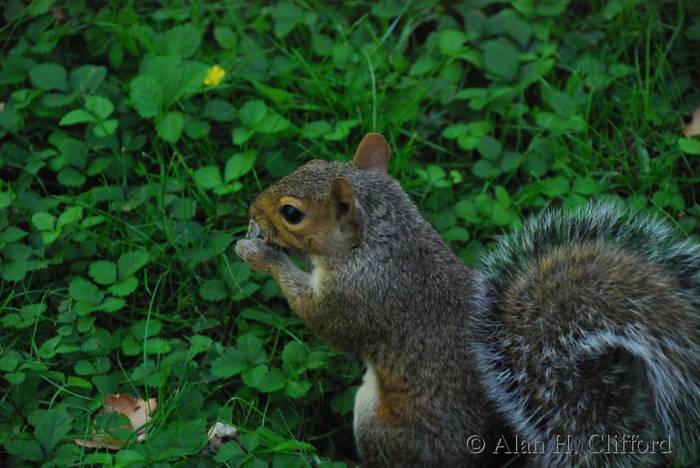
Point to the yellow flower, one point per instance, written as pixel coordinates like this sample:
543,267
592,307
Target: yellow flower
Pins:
215,75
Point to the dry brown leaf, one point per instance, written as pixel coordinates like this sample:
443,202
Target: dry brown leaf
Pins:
693,128
138,411
220,433
101,441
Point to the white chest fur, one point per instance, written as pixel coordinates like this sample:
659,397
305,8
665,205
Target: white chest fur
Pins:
316,279
317,274
367,397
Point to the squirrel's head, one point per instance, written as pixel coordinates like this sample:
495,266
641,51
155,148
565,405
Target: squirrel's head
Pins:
315,210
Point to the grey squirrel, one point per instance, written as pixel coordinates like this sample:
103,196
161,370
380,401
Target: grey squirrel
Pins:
579,335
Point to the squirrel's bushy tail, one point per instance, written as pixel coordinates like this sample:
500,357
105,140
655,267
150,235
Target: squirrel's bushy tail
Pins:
670,363
591,337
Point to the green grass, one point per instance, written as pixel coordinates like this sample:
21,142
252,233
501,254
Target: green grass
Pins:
125,180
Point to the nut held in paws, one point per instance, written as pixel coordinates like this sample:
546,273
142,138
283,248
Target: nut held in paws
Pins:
254,231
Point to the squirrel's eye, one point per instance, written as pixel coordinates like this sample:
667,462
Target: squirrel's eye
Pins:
291,214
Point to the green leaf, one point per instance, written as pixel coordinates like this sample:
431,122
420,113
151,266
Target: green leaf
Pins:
78,382
501,58
485,169
182,41
87,78
241,134
297,388
73,151
456,233
273,123
231,363
292,445
131,262
112,304
177,79
252,113
561,103
489,148
312,130
105,128
12,234
450,41
50,426
200,343
586,186
48,348
8,363
83,290
294,357
15,378
252,349
92,459
49,76
230,452
219,110
70,216
343,402
147,96
207,177
127,457
268,380
195,128
689,145
466,209
555,186
238,165
124,287
612,9
6,199
146,328
98,366
287,16
14,270
99,106
341,130
183,208
25,449
77,116
225,37
158,346
70,177
502,196
213,290
43,221
425,64
169,126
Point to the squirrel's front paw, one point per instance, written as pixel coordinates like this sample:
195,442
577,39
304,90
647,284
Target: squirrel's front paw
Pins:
259,255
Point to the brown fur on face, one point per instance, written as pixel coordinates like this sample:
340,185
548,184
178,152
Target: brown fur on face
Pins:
332,220
310,236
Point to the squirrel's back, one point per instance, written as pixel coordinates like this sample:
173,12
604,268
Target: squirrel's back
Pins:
591,336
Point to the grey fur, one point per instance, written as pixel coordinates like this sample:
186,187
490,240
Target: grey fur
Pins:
452,355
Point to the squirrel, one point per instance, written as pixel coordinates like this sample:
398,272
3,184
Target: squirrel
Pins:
578,335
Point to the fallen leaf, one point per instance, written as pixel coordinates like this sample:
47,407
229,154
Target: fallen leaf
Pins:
693,128
57,13
219,434
136,410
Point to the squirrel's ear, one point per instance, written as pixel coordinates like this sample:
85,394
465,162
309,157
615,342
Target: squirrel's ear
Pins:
342,199
373,153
